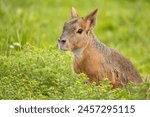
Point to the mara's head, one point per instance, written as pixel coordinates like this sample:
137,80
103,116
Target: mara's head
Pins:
76,32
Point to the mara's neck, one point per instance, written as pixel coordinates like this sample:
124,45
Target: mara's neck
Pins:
82,53
94,46
100,47
79,53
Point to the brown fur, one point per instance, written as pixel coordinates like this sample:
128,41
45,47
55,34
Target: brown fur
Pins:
93,57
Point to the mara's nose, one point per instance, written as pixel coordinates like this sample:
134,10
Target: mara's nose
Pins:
62,40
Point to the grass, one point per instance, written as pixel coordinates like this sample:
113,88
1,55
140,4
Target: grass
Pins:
33,68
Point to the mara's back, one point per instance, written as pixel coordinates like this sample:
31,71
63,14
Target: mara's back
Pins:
116,64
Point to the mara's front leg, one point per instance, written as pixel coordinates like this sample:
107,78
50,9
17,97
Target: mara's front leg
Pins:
95,77
76,68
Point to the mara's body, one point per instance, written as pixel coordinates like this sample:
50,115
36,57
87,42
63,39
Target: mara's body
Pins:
99,62
92,57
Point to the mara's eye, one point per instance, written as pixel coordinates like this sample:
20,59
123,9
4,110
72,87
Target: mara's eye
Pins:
80,31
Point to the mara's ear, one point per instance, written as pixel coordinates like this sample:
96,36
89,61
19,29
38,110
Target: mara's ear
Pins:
73,13
91,19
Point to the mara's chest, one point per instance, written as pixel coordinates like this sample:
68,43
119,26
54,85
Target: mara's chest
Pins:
89,64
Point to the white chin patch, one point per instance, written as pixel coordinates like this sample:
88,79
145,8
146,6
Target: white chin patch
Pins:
78,53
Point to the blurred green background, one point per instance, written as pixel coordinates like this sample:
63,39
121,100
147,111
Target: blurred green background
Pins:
121,24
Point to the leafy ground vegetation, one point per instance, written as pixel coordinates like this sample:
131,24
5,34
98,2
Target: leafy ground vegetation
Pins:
31,66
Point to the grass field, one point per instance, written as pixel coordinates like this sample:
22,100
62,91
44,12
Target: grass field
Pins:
31,67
